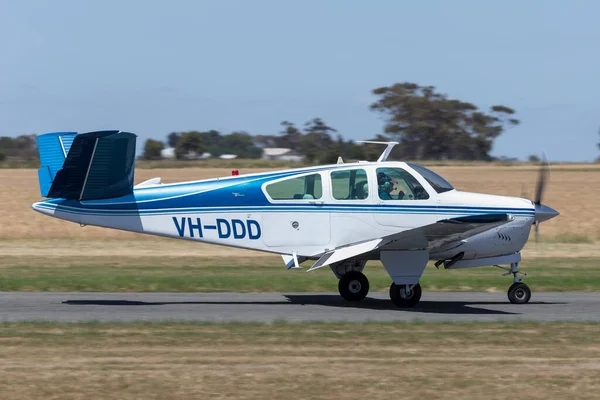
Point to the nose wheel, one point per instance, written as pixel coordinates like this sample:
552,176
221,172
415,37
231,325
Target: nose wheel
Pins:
353,286
518,292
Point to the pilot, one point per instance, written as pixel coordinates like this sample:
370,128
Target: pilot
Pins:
385,186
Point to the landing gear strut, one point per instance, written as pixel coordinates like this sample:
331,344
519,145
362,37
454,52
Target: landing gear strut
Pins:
518,292
405,296
353,286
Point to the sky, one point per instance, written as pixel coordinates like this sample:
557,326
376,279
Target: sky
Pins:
154,67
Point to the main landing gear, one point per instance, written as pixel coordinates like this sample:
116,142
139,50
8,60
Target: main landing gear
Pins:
353,286
518,292
405,296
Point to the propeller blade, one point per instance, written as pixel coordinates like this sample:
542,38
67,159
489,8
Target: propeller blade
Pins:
541,182
541,210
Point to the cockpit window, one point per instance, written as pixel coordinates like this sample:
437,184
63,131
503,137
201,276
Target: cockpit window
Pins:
398,184
437,182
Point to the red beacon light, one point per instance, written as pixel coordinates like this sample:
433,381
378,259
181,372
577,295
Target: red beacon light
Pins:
235,172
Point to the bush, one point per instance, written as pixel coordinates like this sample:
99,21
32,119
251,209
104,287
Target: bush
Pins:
152,150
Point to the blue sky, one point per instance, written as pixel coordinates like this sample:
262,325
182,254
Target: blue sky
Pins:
152,67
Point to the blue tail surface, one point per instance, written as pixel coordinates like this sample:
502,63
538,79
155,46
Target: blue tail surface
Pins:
53,149
86,166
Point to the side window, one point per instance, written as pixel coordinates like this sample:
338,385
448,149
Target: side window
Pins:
398,184
350,184
302,188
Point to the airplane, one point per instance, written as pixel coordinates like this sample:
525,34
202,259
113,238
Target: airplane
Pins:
340,215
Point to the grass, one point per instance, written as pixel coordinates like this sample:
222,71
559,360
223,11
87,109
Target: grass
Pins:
308,360
264,274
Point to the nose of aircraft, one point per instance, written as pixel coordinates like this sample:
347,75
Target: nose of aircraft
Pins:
544,213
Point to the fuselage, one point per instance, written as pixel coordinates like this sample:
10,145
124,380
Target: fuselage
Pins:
306,211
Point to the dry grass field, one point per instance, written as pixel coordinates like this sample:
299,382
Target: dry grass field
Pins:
573,190
299,361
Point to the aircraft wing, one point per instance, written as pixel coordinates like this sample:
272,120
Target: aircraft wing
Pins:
444,232
431,237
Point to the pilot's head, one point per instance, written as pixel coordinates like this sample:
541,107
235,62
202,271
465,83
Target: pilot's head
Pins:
385,182
388,186
382,178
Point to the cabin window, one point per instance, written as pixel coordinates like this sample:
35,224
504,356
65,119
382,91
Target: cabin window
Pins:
350,184
398,184
301,188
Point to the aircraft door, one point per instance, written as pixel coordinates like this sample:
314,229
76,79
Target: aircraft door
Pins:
402,201
296,216
351,205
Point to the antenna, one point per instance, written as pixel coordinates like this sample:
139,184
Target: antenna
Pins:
386,152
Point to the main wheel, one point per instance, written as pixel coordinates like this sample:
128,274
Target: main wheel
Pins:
404,297
519,293
353,286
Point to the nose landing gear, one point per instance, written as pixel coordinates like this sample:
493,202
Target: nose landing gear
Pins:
518,292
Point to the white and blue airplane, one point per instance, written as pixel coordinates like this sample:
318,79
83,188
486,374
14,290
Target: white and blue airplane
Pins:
339,215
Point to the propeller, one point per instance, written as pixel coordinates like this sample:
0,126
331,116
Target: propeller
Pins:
541,210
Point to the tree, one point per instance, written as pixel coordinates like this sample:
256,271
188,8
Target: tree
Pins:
190,145
23,148
211,138
316,125
291,136
240,143
430,125
2,156
173,139
316,143
152,150
534,159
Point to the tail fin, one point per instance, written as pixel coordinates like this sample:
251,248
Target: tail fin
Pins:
53,149
86,166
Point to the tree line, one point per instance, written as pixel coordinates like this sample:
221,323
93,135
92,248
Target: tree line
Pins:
315,141
427,124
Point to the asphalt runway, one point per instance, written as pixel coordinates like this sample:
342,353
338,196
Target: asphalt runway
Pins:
294,307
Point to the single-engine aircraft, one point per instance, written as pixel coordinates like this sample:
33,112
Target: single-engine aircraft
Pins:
338,215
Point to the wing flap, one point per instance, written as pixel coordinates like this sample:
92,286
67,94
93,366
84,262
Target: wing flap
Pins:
343,253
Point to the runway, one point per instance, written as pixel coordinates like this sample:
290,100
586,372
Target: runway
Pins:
293,307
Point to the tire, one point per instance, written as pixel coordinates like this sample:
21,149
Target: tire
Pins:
353,286
400,299
519,293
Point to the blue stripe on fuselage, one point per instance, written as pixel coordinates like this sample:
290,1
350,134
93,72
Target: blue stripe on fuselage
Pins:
294,208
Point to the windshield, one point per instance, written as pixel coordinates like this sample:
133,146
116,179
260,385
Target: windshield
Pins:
437,182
